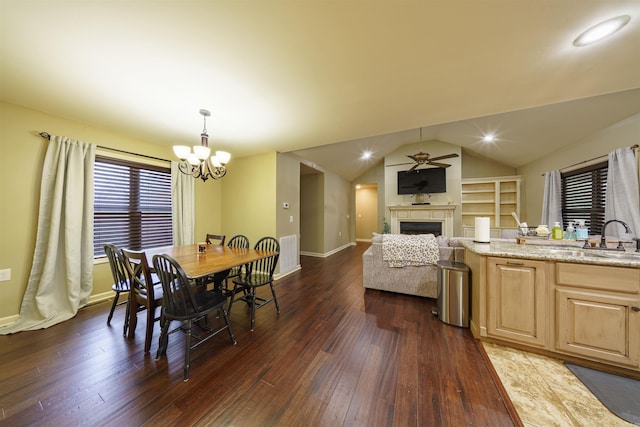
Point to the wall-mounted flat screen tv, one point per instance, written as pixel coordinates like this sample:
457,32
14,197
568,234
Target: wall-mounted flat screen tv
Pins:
422,181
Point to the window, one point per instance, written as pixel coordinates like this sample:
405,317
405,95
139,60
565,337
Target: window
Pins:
583,196
132,206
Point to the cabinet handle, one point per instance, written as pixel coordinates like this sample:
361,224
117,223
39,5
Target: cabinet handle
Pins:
636,309
514,263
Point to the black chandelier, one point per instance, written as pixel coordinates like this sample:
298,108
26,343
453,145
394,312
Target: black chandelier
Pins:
197,163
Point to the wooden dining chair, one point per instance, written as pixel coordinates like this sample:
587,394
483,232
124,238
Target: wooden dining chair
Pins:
181,303
216,239
120,281
237,241
257,274
145,294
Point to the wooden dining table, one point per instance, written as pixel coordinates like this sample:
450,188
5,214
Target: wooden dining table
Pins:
215,259
198,265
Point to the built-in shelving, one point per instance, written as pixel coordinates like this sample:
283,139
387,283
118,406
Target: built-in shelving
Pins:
495,198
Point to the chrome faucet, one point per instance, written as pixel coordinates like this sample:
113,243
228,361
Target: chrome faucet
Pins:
603,239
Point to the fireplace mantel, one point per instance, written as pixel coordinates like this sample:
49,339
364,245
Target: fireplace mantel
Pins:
423,213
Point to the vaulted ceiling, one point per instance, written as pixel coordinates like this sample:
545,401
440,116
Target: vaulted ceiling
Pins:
326,79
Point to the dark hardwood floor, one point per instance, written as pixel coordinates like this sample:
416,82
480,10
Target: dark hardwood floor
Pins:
337,355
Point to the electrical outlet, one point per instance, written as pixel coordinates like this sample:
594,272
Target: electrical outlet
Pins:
5,275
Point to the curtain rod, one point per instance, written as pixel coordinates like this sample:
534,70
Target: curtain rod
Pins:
634,147
48,136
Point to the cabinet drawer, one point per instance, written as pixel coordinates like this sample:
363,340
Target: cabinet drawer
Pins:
618,279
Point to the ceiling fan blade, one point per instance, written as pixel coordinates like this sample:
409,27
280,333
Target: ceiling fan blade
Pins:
448,156
440,165
400,164
413,167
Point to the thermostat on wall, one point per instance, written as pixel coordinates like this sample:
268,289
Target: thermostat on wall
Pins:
285,205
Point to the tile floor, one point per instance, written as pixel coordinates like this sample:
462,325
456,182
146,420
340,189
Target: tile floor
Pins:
545,393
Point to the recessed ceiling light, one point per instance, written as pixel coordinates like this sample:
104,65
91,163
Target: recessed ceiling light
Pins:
366,155
602,30
488,138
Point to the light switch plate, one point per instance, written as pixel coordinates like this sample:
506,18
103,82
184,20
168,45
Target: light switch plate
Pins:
5,275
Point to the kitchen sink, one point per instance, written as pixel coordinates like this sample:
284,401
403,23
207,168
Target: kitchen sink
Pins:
618,255
564,252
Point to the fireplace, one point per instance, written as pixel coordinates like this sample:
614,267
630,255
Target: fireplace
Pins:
416,227
428,215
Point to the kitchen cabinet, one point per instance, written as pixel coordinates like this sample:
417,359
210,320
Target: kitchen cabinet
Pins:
598,313
570,304
516,301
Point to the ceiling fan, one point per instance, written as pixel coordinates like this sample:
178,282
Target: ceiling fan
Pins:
422,158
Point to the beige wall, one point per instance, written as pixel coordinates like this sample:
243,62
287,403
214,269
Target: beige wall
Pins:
325,212
623,134
478,167
22,153
337,211
249,197
288,191
312,213
454,173
208,198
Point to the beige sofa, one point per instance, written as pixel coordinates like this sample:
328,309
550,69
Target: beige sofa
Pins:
412,280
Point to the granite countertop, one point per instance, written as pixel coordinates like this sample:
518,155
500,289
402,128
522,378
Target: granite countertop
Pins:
563,251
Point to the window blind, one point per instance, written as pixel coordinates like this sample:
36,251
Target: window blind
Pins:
132,206
583,196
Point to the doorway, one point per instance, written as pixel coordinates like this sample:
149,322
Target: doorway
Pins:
366,211
311,210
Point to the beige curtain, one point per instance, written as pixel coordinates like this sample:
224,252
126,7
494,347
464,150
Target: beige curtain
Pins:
61,276
182,206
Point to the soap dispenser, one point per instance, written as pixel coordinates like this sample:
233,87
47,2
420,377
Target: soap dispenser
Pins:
571,232
581,230
556,231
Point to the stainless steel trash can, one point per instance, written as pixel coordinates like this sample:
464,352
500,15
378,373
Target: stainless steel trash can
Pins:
453,293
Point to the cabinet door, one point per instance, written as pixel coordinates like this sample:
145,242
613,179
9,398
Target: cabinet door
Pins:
600,326
517,292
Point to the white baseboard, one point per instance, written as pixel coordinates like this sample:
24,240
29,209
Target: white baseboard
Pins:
93,299
281,275
326,254
4,321
104,296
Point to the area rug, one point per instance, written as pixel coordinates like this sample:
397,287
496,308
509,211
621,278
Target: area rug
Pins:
621,395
